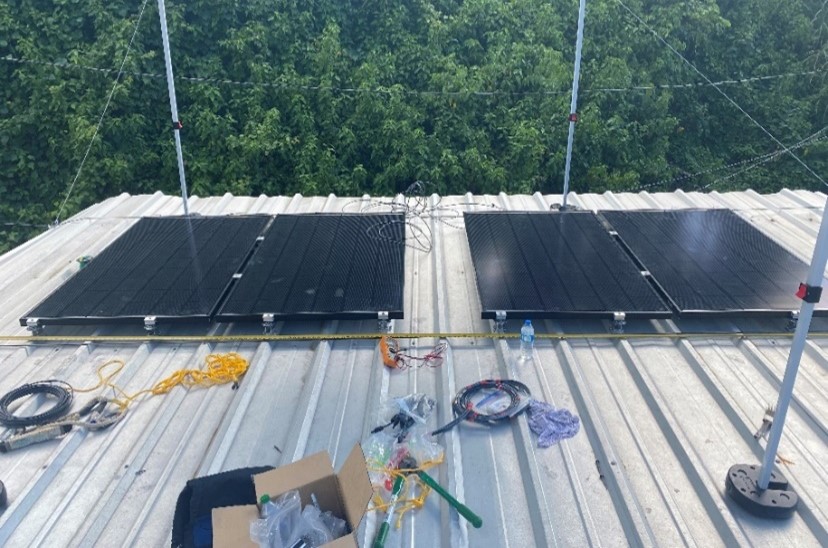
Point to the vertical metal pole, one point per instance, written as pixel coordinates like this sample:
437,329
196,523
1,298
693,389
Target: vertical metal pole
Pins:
165,38
797,346
573,107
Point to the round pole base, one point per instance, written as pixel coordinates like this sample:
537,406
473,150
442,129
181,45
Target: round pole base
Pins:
778,501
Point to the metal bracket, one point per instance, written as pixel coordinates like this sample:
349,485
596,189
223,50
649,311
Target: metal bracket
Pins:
150,325
268,320
809,293
500,321
619,320
33,325
383,322
793,320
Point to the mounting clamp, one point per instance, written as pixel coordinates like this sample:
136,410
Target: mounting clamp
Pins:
34,325
500,321
619,320
778,501
383,322
809,293
268,320
150,324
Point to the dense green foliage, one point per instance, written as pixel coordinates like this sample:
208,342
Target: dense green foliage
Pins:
353,96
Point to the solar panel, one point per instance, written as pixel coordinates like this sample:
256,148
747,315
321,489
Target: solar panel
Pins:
167,267
326,266
555,265
712,261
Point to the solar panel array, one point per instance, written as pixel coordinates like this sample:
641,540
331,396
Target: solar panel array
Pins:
555,265
570,264
291,266
712,261
345,266
168,267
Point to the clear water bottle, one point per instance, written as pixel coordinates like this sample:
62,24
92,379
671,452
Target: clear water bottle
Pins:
527,340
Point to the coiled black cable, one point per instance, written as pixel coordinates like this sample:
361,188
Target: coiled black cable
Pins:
59,390
464,408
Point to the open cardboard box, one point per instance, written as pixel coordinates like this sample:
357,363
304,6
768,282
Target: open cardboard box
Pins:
346,494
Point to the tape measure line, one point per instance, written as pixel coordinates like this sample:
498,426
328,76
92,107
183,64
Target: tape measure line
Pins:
376,336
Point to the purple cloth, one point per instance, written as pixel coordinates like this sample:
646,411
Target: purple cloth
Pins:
550,424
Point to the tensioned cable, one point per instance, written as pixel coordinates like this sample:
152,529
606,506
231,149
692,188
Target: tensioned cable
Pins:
106,107
20,223
389,90
725,95
760,159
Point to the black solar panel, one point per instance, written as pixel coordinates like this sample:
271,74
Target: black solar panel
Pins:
712,261
555,265
345,266
168,267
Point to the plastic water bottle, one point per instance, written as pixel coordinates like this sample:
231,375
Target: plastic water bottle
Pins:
527,340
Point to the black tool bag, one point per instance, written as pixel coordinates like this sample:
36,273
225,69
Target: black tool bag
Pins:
192,523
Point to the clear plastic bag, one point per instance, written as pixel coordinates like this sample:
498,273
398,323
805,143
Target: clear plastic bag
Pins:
315,528
417,406
423,447
378,448
337,527
279,518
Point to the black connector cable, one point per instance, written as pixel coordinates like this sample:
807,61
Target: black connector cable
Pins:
61,391
464,407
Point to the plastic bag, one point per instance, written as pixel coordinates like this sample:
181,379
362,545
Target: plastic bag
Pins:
417,406
378,449
279,519
400,415
422,446
315,528
336,526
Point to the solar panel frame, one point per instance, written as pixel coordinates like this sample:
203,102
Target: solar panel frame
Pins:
319,266
582,260
720,239
153,261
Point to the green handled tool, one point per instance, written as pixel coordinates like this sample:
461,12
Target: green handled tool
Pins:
409,463
386,525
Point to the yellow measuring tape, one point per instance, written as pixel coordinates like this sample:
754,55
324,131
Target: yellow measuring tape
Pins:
80,339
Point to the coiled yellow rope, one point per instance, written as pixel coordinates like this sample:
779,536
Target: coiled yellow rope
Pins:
221,369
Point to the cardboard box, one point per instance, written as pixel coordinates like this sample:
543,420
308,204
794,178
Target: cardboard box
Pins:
346,494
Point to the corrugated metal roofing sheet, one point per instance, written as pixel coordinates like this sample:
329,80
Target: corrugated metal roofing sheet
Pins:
662,419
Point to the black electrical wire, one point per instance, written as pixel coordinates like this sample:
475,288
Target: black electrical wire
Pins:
463,405
59,390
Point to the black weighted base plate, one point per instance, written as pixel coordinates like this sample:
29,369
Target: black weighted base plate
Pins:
3,499
776,502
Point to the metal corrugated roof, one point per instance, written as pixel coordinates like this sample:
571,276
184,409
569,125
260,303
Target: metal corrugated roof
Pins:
662,419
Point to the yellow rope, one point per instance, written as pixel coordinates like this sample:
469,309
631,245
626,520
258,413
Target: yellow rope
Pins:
404,504
221,369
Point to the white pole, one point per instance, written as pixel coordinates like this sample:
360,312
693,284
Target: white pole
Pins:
797,346
573,107
165,38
